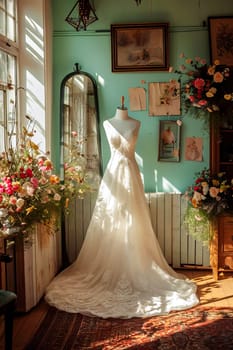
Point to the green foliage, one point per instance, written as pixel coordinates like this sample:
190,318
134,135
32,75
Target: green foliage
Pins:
197,224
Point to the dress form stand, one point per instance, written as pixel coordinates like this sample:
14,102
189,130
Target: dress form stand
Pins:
122,112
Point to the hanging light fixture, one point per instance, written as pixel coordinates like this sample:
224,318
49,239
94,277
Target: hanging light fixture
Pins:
81,15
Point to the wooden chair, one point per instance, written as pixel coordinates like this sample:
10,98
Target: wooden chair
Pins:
7,308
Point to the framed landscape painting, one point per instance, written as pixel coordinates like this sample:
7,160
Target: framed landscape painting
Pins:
139,47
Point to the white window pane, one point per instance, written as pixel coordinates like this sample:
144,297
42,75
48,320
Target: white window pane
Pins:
2,108
2,22
11,28
11,7
3,68
1,139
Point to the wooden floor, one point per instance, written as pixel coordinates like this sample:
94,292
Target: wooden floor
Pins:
211,293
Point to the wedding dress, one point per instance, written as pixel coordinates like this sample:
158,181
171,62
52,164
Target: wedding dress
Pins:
121,271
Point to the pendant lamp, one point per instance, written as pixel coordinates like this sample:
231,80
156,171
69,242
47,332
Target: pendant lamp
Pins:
81,15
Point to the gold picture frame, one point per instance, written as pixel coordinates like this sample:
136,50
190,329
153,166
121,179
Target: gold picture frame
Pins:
139,47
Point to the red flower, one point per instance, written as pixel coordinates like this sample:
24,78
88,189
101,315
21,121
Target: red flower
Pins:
199,83
29,172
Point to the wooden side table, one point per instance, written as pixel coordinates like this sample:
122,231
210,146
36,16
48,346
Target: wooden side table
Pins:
222,245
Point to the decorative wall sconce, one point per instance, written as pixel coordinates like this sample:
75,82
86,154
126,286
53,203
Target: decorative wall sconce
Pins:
81,15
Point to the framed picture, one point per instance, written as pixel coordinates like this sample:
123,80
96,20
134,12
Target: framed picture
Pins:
164,98
139,47
169,141
221,39
193,149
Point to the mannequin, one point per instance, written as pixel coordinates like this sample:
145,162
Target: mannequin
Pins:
122,117
121,271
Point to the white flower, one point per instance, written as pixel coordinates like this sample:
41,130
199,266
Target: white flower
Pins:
20,203
214,192
3,212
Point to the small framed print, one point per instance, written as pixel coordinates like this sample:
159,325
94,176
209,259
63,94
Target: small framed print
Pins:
164,98
169,141
221,39
139,47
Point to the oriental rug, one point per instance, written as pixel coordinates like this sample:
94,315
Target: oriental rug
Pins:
196,328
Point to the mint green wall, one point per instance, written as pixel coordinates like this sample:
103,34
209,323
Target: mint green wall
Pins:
92,50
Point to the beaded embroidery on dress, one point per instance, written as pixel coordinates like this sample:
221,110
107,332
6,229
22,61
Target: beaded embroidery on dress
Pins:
121,271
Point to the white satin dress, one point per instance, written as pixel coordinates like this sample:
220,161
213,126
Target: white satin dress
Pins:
121,271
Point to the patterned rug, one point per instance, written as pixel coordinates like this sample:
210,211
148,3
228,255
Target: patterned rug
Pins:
197,328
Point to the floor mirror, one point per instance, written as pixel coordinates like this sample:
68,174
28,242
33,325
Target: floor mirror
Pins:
79,120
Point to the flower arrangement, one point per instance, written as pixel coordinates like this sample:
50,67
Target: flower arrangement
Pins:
208,88
210,196
29,190
78,177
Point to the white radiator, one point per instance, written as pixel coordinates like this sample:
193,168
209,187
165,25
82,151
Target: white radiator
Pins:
179,248
166,211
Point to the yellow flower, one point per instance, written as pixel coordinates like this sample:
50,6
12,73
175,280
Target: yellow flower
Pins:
215,182
211,70
32,145
227,97
54,179
209,94
218,77
30,209
188,61
213,90
217,62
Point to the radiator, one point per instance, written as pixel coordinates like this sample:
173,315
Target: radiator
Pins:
180,249
166,210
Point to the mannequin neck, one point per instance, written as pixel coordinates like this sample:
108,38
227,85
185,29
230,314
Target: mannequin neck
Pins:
121,114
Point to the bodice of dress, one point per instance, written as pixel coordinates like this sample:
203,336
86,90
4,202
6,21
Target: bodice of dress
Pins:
122,137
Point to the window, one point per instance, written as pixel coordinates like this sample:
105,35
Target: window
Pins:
8,81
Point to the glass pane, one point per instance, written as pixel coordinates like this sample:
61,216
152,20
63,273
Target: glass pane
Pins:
8,19
2,119
11,28
11,78
11,7
3,67
2,22
2,108
1,139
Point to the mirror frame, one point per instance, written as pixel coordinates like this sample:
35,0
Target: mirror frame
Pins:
65,259
62,93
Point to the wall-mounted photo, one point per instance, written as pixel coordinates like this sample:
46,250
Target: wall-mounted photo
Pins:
193,149
221,39
139,47
164,98
169,141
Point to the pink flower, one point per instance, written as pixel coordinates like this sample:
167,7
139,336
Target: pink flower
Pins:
13,200
34,182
